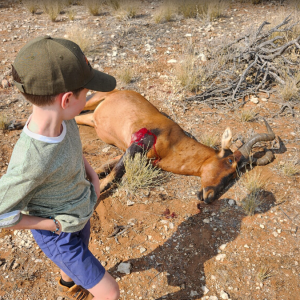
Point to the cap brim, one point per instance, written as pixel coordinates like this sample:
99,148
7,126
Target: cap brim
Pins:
101,82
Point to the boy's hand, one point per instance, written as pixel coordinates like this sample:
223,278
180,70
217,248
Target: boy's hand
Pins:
59,226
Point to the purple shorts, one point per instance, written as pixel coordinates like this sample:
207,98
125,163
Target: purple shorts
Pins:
69,251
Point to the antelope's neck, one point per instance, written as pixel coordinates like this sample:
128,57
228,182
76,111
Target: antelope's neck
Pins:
188,156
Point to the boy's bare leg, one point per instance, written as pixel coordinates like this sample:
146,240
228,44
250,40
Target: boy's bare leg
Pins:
65,277
106,289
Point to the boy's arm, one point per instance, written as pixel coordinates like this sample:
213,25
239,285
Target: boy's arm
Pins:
32,222
92,176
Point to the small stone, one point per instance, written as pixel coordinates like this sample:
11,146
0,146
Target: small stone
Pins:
264,99
193,293
124,268
231,202
246,246
254,99
130,203
188,35
220,257
223,246
213,298
142,249
5,84
206,221
275,234
105,150
224,295
172,61
204,289
261,226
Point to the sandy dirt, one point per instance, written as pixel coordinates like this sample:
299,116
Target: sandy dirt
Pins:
201,251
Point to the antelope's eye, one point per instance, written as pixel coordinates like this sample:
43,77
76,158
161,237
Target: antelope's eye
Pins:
230,160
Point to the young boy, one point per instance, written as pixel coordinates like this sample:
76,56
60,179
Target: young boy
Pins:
49,186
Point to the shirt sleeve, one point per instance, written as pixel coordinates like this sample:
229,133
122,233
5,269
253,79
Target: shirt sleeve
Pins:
18,185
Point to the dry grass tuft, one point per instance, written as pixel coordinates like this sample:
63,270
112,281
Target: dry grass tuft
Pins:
31,5
264,274
165,12
288,167
125,9
94,6
247,115
3,122
205,9
52,8
140,174
71,14
253,181
79,35
209,140
251,203
126,74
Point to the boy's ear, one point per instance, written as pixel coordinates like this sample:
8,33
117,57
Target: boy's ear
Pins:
64,99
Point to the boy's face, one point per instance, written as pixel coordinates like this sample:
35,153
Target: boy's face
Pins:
76,105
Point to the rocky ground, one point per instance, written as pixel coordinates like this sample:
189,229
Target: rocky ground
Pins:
215,252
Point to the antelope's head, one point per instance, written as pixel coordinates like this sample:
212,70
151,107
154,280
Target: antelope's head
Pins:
218,170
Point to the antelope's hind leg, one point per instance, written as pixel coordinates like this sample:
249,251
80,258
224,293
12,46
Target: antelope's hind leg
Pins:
106,168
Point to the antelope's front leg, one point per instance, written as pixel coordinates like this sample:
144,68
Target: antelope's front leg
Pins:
141,146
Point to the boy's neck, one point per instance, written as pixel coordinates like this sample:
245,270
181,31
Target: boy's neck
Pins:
45,121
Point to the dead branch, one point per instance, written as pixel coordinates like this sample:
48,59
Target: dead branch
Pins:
252,62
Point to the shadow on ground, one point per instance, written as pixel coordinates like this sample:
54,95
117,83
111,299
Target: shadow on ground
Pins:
183,255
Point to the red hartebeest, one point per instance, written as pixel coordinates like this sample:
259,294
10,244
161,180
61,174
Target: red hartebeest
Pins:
118,118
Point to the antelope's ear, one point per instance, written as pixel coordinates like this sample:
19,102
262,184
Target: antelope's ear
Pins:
226,139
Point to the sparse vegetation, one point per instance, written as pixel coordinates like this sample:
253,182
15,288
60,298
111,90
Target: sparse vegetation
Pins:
209,140
94,6
3,122
264,274
125,74
125,9
52,8
253,181
80,36
165,12
205,9
140,174
247,115
288,167
250,203
31,5
71,14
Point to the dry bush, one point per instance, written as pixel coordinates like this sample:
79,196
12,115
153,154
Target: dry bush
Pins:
94,6
31,5
52,8
140,173
79,35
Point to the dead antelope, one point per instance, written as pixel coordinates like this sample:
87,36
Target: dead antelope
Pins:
130,122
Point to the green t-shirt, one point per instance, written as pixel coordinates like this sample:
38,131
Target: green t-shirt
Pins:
46,178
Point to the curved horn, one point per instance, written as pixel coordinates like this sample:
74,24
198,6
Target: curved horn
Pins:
259,137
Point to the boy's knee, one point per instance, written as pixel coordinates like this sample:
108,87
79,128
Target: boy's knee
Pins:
115,293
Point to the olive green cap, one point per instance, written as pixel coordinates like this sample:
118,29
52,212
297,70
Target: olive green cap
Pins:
50,66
